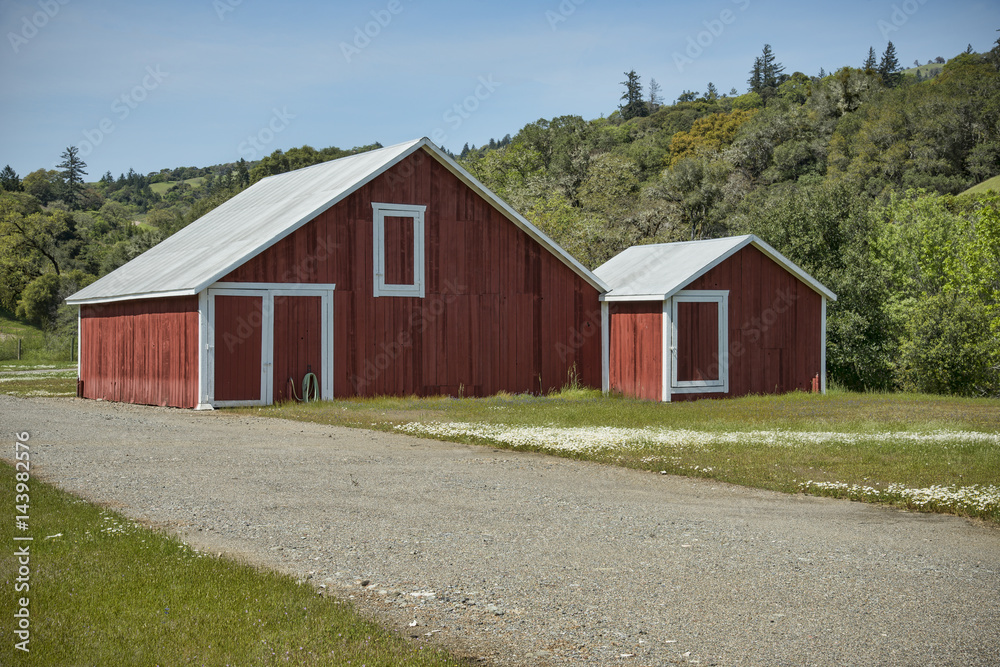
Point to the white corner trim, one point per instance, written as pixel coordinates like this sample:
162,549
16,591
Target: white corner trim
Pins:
605,348
822,349
666,353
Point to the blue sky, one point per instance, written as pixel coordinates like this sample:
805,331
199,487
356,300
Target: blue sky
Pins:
193,83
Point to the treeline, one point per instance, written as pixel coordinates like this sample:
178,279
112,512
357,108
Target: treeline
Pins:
856,176
59,233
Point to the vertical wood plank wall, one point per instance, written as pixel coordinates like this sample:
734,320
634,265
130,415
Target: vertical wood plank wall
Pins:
142,351
636,330
500,311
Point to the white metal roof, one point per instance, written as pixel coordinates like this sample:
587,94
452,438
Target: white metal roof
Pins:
266,212
656,272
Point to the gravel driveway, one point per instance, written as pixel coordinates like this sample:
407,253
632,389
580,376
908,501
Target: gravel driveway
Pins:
525,559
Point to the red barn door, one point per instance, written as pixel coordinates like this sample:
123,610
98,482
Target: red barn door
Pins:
238,347
298,343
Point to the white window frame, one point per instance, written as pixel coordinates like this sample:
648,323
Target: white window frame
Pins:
721,299
379,213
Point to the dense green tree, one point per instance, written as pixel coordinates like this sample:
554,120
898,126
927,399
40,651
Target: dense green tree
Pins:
74,169
9,180
888,67
871,63
633,105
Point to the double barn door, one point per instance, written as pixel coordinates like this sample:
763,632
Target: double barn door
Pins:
262,342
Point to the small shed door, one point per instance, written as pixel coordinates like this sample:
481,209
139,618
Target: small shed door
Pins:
699,359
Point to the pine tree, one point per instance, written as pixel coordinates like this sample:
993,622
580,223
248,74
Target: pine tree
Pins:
712,92
634,105
655,98
870,63
766,75
756,79
822,73
9,180
888,69
73,173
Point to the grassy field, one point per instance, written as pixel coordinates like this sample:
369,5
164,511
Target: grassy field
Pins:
104,590
984,187
37,347
162,187
927,453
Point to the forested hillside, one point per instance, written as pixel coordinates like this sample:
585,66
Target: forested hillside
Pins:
857,176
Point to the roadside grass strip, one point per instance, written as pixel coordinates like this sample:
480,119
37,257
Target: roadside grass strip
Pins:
106,590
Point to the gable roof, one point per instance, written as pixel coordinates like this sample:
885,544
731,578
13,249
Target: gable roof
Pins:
657,272
268,211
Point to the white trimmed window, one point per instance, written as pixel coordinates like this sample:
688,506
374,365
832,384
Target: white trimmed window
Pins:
398,249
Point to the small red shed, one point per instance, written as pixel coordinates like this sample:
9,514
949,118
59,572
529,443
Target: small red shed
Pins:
711,319
391,272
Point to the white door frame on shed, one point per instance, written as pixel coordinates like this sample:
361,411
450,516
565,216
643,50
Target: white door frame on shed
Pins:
671,385
267,291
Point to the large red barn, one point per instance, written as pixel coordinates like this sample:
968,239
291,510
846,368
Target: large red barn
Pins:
711,319
387,272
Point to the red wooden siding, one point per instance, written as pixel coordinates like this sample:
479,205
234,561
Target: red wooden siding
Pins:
398,251
774,325
636,330
238,329
298,345
500,312
697,341
142,351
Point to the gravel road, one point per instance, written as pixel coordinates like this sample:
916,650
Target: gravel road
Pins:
524,559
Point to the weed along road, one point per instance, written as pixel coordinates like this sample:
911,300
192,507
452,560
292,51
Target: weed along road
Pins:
524,559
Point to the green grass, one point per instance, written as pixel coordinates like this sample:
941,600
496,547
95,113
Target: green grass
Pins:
107,591
729,440
162,187
44,382
37,346
984,187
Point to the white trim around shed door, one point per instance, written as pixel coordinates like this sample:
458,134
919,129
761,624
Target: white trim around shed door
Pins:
720,386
